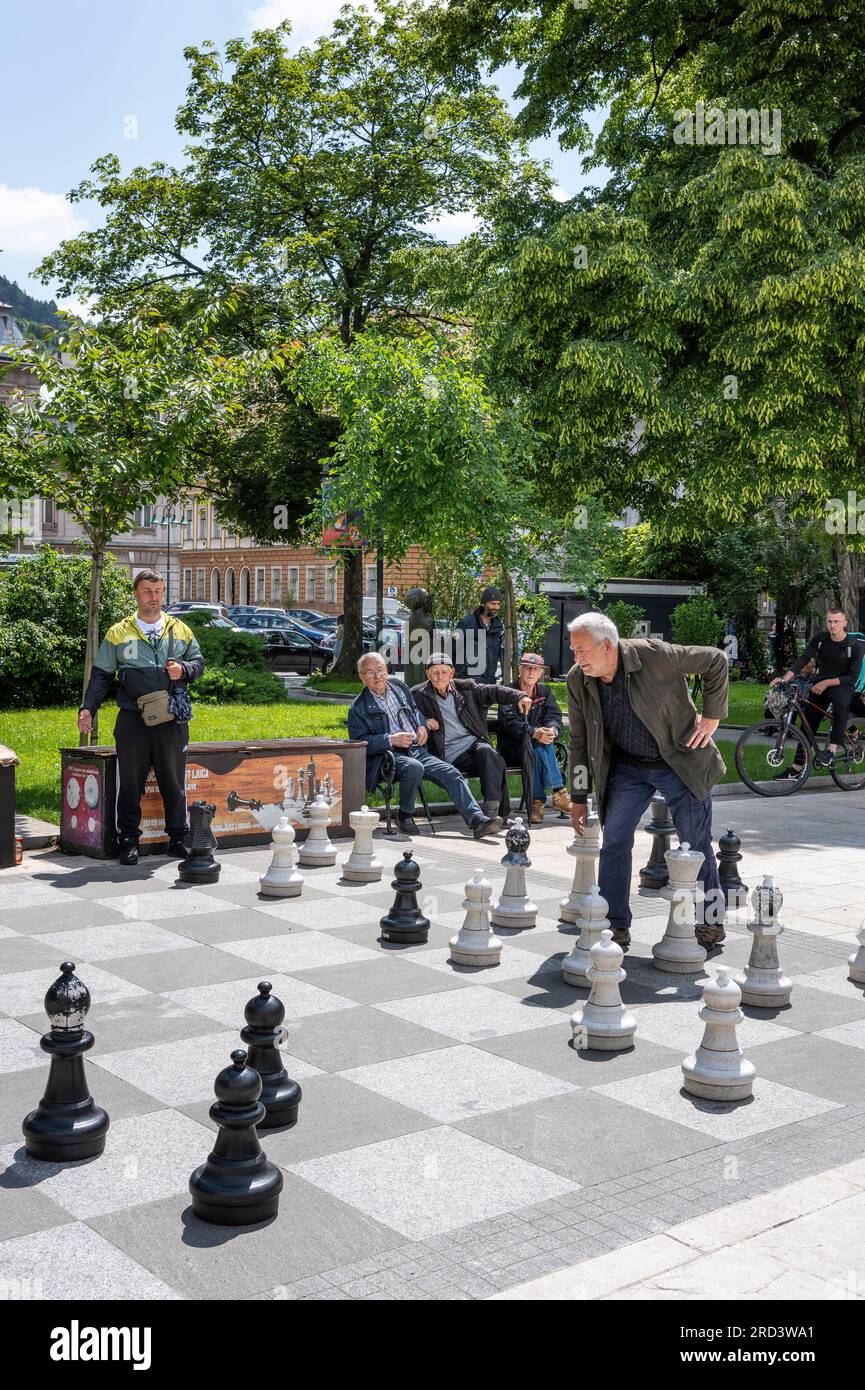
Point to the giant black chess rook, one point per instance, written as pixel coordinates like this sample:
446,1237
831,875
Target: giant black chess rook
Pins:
67,1124
280,1096
237,1186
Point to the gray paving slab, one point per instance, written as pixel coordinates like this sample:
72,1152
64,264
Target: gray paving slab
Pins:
21,1092
165,970
132,1023
34,921
583,1136
551,1051
206,1261
371,982
355,1037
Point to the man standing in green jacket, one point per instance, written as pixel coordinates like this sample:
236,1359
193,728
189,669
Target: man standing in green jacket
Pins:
147,652
634,730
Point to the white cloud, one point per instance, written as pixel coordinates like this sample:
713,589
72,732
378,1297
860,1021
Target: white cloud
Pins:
308,22
452,226
33,222
74,305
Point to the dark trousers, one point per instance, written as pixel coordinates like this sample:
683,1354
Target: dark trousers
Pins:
840,698
484,762
139,748
628,795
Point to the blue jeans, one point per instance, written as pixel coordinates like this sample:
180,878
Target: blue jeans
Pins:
412,770
628,795
547,773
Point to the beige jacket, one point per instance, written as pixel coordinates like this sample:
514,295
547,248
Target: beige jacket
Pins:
655,676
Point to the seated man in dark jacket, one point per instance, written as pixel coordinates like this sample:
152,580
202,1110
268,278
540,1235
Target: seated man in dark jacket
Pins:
385,716
455,716
545,723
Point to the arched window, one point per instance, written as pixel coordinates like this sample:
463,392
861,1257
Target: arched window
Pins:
214,585
244,585
229,587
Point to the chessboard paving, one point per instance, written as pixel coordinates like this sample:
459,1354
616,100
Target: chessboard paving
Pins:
450,1143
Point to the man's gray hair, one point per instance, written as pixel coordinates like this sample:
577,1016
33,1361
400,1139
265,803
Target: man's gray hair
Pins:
369,656
599,627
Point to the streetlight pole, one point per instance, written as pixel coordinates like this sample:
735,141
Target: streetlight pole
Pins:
169,519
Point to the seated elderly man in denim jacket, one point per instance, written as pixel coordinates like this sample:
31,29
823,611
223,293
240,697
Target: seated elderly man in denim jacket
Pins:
384,716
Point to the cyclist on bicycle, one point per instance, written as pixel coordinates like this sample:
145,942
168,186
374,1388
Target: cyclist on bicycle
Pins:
838,658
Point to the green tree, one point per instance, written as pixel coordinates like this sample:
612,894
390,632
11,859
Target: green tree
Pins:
695,623
114,428
690,339
625,616
310,179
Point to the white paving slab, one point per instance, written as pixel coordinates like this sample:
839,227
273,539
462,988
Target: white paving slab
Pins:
300,951
115,941
456,1083
40,1264
174,902
226,1002
182,1072
515,964
472,1014
678,1024
426,1183
24,991
19,1046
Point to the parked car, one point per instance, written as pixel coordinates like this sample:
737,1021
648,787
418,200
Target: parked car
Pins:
253,621
240,610
287,650
215,610
310,617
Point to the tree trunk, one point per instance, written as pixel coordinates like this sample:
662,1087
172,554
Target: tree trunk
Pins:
510,656
96,569
848,581
352,607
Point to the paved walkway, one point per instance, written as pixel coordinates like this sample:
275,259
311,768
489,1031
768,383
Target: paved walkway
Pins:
451,1143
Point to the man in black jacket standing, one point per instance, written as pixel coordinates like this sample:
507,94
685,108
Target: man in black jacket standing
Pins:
483,639
147,652
455,715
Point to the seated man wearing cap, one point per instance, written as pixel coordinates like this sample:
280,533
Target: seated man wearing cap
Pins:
545,724
385,716
454,711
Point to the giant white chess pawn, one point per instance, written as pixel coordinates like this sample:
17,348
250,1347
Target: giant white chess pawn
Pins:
513,908
856,962
718,1070
585,848
603,1024
361,866
317,847
594,919
282,879
763,984
475,944
679,951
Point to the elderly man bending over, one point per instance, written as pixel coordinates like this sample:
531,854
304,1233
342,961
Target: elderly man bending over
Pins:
635,730
384,715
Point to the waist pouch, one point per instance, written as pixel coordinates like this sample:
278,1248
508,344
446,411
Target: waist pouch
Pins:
154,709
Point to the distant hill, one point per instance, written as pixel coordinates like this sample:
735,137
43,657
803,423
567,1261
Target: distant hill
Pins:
27,310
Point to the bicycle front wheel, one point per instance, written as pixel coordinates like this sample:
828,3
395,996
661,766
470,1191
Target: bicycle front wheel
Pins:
848,771
773,760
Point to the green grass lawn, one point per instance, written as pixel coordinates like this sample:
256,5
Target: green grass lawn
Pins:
37,735
745,701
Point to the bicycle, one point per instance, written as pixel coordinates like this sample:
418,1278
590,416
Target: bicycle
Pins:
784,747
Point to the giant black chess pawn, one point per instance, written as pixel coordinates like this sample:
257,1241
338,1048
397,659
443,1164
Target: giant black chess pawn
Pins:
405,921
237,1186
199,866
655,875
280,1096
735,891
67,1124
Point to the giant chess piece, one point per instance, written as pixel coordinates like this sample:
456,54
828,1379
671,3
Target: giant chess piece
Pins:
585,848
735,891
679,951
475,943
263,1034
361,866
405,922
655,874
200,866
603,1024
66,1125
856,962
513,908
282,879
718,1070
317,848
763,984
236,1186
594,919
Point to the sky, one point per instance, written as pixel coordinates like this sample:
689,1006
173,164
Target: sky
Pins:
82,78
